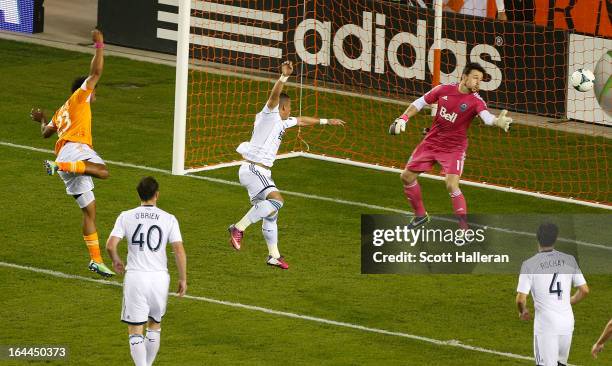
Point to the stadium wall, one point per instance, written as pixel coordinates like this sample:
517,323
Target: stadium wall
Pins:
23,16
339,41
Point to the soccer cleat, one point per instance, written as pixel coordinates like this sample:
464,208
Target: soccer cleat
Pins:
100,268
50,166
277,262
235,237
418,221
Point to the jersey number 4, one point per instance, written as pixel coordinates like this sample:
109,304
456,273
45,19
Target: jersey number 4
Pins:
138,238
554,283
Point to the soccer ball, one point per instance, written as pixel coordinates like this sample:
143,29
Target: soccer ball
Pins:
582,80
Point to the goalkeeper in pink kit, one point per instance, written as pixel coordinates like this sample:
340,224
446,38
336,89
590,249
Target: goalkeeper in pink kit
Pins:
446,142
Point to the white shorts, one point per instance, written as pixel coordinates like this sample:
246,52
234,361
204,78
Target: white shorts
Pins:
145,295
257,180
74,151
551,349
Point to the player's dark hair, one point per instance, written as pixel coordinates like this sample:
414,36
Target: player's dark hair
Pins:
147,188
283,98
473,66
76,83
547,234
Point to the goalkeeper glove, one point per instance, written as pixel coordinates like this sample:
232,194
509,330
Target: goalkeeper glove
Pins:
502,121
398,126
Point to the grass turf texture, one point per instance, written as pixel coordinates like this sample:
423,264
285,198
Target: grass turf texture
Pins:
320,239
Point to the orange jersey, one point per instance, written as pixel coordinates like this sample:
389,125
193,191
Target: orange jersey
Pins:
73,120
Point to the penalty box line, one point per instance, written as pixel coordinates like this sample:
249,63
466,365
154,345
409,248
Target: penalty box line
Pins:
450,343
306,195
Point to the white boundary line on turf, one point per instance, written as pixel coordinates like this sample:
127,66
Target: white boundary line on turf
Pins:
303,195
450,343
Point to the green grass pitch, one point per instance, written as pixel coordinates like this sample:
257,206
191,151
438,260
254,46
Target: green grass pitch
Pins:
41,229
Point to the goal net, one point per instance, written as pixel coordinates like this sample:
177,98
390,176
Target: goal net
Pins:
364,61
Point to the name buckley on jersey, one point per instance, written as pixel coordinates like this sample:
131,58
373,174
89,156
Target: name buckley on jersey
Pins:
552,263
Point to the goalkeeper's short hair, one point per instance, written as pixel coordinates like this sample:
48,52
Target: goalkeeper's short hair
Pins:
473,66
547,234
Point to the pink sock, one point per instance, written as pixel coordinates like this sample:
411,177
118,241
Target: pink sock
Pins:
460,208
413,194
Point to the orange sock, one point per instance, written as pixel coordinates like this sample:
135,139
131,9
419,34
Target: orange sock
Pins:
72,166
93,246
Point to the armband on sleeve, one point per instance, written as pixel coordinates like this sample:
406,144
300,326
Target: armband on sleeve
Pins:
487,117
420,103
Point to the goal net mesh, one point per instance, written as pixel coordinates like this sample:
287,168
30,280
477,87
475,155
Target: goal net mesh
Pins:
364,61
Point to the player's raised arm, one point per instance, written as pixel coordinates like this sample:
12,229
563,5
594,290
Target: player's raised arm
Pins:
309,121
286,71
181,265
97,63
46,129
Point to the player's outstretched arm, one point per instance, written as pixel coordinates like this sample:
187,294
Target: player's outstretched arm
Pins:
309,121
502,120
580,294
399,125
97,63
46,129
605,336
521,304
286,71
111,248
181,265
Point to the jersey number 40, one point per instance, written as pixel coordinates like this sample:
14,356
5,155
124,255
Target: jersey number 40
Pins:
138,238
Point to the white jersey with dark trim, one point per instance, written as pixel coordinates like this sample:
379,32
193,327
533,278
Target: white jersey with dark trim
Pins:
550,276
147,229
268,132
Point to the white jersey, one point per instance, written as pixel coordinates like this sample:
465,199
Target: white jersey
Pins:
147,229
549,276
268,132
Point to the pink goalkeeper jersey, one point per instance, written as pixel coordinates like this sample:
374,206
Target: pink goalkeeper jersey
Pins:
455,113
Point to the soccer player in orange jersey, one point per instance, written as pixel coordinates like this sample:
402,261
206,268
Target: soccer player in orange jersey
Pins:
76,161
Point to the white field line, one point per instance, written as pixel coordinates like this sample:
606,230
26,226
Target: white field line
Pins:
308,196
450,343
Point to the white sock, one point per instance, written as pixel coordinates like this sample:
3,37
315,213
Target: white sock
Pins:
138,350
152,344
269,228
257,212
